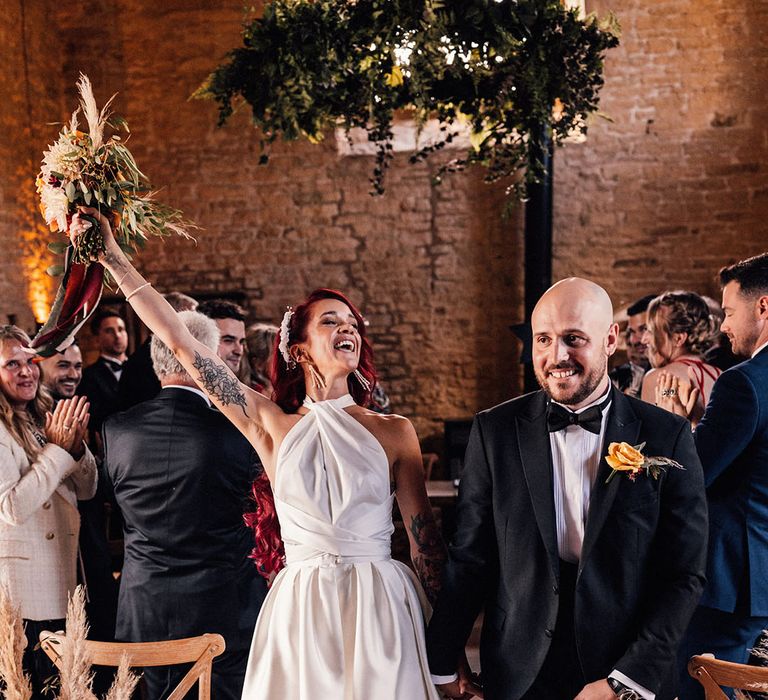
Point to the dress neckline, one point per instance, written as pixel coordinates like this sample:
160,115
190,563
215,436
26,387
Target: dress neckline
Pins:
341,402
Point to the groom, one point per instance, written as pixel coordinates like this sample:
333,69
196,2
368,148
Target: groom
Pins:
587,584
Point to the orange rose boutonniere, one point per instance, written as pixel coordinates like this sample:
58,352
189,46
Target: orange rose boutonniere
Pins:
622,457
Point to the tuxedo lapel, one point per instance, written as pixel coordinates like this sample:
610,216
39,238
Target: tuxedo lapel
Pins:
535,455
623,426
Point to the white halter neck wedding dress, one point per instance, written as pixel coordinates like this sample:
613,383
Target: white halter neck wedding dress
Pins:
342,620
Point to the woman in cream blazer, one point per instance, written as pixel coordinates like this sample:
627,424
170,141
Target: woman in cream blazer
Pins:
45,468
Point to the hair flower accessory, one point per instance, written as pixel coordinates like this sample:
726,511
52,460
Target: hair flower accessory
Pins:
285,332
622,457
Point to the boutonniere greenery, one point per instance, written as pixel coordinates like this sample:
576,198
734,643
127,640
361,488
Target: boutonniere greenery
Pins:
623,457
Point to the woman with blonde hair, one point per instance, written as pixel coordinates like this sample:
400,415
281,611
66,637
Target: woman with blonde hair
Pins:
45,467
680,330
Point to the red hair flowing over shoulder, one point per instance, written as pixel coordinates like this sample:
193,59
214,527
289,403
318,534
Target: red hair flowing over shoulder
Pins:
289,389
289,392
268,552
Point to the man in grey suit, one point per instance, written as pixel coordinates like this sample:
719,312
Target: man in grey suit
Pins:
588,577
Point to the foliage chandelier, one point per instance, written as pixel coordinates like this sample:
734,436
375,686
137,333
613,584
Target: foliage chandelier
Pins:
512,72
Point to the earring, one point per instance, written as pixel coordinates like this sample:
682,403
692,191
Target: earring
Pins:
317,378
363,381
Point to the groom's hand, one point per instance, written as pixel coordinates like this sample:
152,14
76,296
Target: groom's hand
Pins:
599,690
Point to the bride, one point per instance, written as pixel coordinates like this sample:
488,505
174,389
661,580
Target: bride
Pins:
342,619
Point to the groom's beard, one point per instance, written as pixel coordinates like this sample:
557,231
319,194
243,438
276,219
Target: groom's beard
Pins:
563,392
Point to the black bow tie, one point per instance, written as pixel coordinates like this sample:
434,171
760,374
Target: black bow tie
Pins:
559,417
114,365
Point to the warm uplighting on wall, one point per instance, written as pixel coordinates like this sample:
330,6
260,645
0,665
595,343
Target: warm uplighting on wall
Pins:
34,256
39,284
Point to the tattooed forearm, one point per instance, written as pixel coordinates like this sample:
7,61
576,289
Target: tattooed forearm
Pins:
218,383
430,555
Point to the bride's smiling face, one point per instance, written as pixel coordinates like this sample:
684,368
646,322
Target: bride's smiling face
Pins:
333,339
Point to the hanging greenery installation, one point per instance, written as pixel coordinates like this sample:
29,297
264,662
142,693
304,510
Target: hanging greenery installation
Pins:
511,72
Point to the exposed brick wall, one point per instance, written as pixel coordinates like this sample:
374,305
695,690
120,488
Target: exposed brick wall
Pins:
30,84
677,185
664,195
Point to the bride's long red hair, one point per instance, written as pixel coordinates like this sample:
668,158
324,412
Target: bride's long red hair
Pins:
288,393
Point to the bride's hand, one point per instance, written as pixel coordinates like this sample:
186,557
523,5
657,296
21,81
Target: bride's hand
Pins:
80,225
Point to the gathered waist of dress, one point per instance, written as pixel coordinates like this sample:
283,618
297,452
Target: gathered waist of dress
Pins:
304,555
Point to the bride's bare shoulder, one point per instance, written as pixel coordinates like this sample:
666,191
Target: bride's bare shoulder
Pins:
392,425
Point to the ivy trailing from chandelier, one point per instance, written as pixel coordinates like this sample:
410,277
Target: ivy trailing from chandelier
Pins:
509,71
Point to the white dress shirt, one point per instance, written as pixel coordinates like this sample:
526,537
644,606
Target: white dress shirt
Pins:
576,455
575,461
760,349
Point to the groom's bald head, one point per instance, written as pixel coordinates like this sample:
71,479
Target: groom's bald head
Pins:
573,336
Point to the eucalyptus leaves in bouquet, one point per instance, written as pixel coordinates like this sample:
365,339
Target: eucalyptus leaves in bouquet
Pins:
97,170
511,71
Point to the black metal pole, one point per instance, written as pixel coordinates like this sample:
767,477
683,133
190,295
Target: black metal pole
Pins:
538,242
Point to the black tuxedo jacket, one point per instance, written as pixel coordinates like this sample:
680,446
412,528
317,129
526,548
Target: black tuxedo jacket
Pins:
99,384
181,475
642,565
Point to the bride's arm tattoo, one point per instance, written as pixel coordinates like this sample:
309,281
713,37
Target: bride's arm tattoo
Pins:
218,382
431,554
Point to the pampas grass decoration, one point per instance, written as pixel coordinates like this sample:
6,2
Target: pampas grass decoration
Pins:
12,643
124,684
75,675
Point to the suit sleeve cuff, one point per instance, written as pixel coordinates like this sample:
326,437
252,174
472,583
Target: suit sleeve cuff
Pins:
442,680
626,680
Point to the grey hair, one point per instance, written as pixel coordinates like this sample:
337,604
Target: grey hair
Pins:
201,327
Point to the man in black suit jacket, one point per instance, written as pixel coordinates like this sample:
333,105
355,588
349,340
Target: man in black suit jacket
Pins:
181,476
100,380
587,584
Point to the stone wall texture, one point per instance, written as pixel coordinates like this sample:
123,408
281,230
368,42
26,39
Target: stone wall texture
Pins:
661,196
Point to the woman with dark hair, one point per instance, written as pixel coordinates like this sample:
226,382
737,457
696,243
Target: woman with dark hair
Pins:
342,619
44,468
680,330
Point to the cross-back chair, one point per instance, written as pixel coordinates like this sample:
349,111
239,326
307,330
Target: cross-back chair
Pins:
713,673
199,651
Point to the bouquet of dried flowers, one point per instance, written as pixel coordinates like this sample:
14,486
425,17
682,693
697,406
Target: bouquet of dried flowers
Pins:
93,169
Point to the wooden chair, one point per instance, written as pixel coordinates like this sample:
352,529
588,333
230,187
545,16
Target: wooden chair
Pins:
713,673
429,460
199,651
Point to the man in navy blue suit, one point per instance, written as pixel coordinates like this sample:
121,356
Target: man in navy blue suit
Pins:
732,442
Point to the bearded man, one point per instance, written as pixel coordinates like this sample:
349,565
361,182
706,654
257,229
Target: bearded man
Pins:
587,582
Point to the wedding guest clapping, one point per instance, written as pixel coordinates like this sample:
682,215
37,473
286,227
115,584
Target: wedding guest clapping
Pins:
680,331
45,467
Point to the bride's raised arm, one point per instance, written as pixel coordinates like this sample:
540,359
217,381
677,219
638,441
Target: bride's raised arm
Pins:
253,414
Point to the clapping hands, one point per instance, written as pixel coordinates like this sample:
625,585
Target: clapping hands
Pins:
675,395
67,425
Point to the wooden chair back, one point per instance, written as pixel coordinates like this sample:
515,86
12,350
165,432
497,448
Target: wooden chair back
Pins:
713,673
199,651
